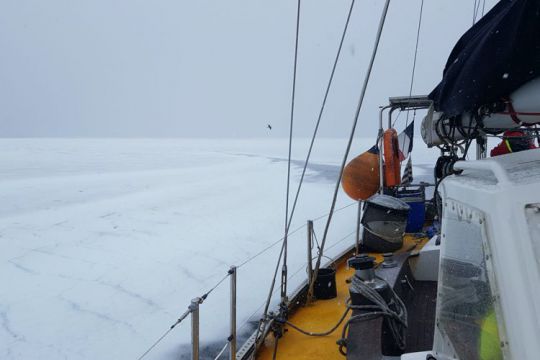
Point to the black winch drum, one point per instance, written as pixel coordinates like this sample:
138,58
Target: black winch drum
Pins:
384,220
325,284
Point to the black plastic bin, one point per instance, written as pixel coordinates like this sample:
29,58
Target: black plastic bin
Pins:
325,284
384,220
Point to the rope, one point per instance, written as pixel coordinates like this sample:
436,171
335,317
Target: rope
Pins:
397,319
351,137
330,331
324,333
284,268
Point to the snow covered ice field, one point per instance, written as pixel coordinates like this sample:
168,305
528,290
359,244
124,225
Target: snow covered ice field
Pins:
105,242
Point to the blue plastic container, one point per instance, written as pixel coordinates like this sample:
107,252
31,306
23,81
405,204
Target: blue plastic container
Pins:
416,198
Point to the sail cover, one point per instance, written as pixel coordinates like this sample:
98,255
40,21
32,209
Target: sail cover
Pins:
496,56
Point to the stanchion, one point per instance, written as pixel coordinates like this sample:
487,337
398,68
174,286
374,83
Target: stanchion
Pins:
358,220
309,250
232,338
194,308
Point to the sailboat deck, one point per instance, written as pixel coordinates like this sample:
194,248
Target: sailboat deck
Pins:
321,316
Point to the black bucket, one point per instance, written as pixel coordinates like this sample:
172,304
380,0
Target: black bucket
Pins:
325,284
384,220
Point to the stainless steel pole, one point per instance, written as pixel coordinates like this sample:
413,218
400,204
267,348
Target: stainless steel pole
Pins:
232,339
481,145
392,109
194,307
309,250
380,144
358,219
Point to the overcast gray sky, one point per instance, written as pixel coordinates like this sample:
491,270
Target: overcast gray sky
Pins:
207,68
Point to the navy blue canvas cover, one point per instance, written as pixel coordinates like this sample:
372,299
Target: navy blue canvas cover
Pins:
496,56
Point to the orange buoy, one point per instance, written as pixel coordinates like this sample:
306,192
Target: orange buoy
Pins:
392,169
361,175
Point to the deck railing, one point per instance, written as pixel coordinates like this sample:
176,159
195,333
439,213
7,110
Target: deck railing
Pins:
232,340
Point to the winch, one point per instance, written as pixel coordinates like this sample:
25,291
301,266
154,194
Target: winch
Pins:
378,317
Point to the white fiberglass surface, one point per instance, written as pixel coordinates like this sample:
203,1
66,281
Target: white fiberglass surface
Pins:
105,242
532,213
466,316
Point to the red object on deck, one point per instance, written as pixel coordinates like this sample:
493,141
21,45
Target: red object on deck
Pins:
513,141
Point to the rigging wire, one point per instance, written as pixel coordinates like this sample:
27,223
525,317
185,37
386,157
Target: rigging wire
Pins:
225,277
321,110
339,209
476,10
340,241
248,319
349,144
271,291
413,72
207,293
284,268
310,148
215,286
397,118
155,344
253,257
256,255
183,317
222,351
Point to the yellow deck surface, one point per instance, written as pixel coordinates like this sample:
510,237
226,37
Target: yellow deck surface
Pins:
321,316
